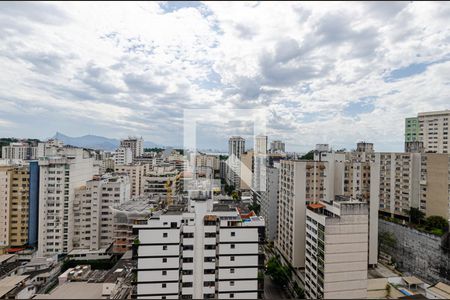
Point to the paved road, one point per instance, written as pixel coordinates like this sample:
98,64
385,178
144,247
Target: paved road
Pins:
273,291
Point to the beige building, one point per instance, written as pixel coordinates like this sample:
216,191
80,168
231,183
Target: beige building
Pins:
435,185
336,250
93,217
433,131
247,168
136,173
301,183
14,193
136,144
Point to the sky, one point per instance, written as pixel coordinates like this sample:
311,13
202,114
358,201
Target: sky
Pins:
330,72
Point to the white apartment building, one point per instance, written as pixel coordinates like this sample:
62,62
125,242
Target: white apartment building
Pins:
123,156
336,250
207,251
236,147
433,131
395,182
300,183
136,145
60,176
93,217
164,181
18,150
207,161
268,201
136,173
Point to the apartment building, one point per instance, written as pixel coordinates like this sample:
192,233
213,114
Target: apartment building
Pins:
135,144
431,128
14,195
208,251
336,249
300,183
123,156
126,215
136,174
268,201
164,181
59,177
277,146
412,129
236,147
395,182
434,191
247,170
93,217
19,151
207,161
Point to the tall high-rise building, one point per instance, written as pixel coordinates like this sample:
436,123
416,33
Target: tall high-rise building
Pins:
412,129
123,156
268,201
277,146
136,145
301,183
247,170
60,176
19,150
210,251
93,218
33,215
260,145
14,193
336,250
236,147
136,173
430,128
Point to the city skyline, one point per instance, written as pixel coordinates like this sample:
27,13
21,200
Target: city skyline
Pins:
326,73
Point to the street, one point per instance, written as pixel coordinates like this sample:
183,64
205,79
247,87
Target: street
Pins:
273,291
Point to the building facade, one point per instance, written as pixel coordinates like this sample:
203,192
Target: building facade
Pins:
93,217
236,147
336,250
219,249
434,131
123,156
136,145
14,212
59,177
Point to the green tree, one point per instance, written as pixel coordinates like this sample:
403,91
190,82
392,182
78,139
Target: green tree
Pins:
280,274
308,156
416,216
387,240
235,195
255,207
436,222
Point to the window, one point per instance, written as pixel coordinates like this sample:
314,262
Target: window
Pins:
232,271
164,273
164,285
164,260
231,296
231,283
187,284
164,247
231,258
165,234
232,246
233,233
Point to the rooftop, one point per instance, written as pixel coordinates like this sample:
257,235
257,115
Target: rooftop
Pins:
7,284
75,290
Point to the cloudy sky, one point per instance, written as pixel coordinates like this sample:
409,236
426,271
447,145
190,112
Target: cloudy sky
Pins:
324,72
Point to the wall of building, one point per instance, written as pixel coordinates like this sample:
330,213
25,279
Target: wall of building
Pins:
418,253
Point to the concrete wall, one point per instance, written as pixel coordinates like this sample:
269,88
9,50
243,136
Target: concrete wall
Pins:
418,253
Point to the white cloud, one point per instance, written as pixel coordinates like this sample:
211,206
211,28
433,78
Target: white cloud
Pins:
133,67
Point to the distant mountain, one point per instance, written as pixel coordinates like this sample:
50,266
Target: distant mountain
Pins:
95,142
